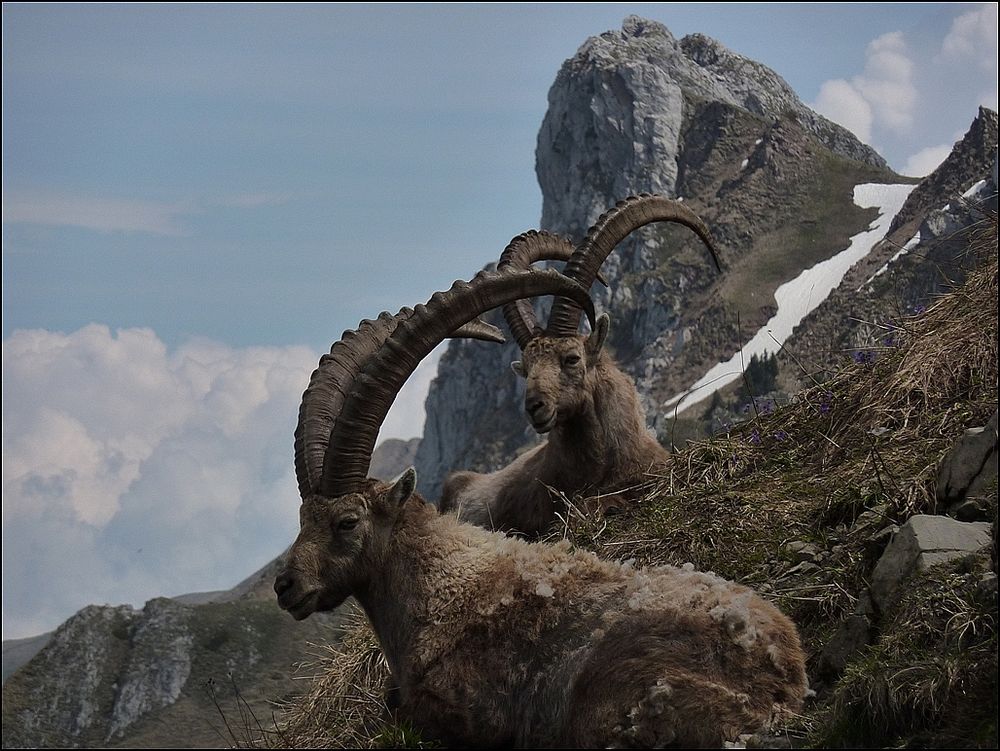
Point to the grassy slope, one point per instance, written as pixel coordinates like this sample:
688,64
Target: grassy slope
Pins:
846,459
849,457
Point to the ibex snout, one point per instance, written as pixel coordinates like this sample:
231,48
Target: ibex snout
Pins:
539,410
283,583
293,597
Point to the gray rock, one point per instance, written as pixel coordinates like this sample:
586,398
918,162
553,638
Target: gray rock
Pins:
854,633
800,569
970,465
392,457
876,544
799,551
986,589
922,542
975,509
157,666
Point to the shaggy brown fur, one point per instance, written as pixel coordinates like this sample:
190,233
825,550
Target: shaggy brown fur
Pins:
498,642
598,440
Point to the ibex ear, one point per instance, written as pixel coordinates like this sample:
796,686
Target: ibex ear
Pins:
518,367
596,339
402,489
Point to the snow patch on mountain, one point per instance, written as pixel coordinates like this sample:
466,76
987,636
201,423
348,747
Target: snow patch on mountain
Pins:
799,297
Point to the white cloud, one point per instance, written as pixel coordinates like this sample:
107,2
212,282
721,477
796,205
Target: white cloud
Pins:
130,471
844,104
926,160
883,96
108,215
887,82
973,39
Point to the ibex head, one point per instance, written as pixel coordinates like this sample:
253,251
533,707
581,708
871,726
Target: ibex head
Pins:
345,517
340,542
558,362
558,371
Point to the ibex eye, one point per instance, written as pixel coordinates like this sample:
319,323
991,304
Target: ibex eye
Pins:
571,359
347,524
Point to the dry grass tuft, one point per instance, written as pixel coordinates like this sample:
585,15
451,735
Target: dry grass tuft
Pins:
344,704
932,676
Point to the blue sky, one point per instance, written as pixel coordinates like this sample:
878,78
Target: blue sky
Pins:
199,199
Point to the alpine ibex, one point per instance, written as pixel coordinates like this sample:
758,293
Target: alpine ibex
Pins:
597,435
494,641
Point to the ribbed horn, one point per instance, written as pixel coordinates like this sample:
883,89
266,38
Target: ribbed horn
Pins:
523,251
519,254
484,332
352,437
324,397
609,230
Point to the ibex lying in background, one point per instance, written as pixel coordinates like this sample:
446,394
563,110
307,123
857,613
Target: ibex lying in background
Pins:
597,435
495,641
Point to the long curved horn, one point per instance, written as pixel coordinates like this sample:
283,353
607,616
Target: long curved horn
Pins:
325,394
610,229
369,396
520,253
484,332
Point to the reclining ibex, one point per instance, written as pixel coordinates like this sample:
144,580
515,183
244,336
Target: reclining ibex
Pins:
494,641
597,435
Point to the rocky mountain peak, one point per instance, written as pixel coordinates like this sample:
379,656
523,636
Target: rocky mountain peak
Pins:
617,107
974,151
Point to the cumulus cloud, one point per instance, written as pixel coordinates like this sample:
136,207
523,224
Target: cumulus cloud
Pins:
926,160
130,471
887,83
883,95
972,39
843,103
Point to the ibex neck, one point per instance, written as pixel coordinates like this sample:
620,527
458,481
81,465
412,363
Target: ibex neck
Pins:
581,443
602,438
427,558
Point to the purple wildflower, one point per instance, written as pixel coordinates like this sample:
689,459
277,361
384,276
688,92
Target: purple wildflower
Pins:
827,403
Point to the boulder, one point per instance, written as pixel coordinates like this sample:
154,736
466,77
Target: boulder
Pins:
924,541
970,466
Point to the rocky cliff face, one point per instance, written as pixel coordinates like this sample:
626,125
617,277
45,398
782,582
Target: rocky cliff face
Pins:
118,676
637,110
391,457
617,110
